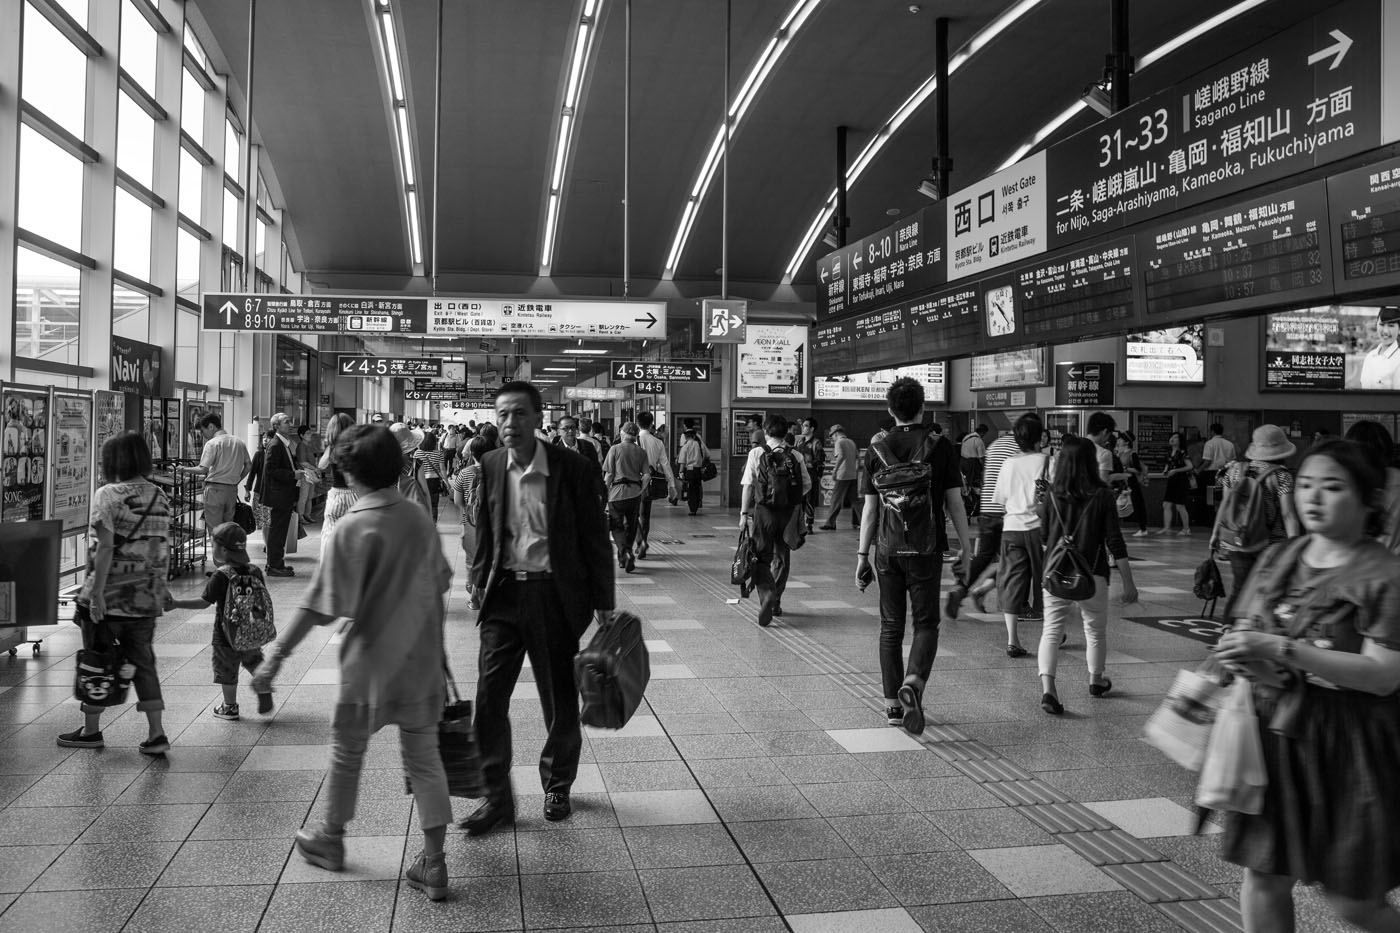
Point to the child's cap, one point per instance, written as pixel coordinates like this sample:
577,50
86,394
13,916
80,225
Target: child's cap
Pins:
232,538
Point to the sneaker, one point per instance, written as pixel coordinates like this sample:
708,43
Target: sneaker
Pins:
894,715
76,739
321,849
1141,534
428,875
156,746
911,706
953,603
1030,616
227,711
264,704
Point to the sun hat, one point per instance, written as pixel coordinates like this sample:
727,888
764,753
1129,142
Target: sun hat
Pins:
1269,443
232,538
408,438
835,428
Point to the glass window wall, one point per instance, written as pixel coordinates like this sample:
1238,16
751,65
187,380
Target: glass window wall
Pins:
47,322
136,133
54,72
50,190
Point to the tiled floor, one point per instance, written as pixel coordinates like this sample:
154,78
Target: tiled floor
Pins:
757,790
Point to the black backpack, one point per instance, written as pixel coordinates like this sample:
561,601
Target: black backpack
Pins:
1243,522
1068,573
907,528
1208,586
779,479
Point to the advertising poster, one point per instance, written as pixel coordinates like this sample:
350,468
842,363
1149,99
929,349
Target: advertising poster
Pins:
1014,368
109,420
25,448
1171,355
71,460
195,409
153,426
772,362
170,421
1333,347
135,367
871,386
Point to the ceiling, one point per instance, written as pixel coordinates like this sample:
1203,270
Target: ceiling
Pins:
321,112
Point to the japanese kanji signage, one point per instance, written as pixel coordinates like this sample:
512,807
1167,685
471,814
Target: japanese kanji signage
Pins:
903,259
999,220
325,314
645,371
1305,97
595,393
494,317
725,320
1364,211
1084,385
649,387
364,367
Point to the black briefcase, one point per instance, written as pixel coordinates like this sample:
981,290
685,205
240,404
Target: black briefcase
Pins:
612,673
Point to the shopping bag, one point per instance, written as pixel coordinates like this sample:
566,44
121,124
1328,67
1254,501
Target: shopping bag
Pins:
741,570
1233,778
244,517
293,527
612,673
457,746
1181,727
98,680
795,531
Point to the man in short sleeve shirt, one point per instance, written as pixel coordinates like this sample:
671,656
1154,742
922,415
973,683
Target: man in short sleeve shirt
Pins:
909,585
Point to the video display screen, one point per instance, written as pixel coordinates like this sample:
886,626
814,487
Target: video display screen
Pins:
1014,368
1168,355
1344,347
871,386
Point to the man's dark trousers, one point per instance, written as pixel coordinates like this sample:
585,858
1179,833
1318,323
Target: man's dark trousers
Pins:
908,587
528,618
770,573
275,536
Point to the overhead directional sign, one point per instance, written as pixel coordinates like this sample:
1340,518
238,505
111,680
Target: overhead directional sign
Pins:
649,388
432,395
494,317
725,319
365,367
1084,385
465,316
643,370
441,385
595,393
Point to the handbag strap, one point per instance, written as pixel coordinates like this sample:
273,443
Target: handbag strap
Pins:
451,681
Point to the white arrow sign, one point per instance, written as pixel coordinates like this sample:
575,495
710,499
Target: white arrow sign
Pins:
822,274
228,309
1338,49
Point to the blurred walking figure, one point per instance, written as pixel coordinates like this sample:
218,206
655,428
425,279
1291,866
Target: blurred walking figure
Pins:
844,470
625,471
1261,473
691,459
340,497
809,445
1019,483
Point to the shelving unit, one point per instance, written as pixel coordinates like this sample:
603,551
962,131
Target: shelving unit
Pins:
188,539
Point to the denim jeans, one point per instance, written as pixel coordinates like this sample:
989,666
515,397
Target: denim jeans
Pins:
418,743
908,587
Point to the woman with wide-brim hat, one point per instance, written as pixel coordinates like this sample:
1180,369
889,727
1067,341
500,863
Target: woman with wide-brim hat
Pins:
410,484
1263,459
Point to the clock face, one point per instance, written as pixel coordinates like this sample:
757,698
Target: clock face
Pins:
1001,312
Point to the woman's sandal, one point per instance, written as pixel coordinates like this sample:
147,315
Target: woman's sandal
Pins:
1101,690
1016,651
1051,704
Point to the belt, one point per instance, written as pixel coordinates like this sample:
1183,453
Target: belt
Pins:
524,576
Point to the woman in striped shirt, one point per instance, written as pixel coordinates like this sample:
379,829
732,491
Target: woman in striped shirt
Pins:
432,468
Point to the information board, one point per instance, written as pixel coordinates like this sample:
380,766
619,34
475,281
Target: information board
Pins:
70,477
1085,385
1307,96
998,220
437,395
327,314
1076,294
871,386
881,338
772,363
595,393
1331,347
1005,398
1167,355
945,323
650,387
1265,251
833,347
367,367
651,371
1154,431
109,420
1364,209
1012,369
903,259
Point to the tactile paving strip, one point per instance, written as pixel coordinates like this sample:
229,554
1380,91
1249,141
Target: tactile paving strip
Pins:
986,772
1156,882
964,751
1064,817
1212,916
1026,793
1109,847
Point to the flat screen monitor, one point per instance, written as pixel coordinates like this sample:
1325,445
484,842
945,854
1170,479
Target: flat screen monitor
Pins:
1339,347
1173,355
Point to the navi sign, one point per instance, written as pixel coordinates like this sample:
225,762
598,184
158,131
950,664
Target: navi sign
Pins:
642,370
365,367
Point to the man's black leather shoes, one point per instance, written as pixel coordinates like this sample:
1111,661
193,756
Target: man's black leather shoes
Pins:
557,807
488,816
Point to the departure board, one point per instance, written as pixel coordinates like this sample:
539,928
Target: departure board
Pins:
881,338
1365,221
1077,294
944,323
888,266
834,348
1265,251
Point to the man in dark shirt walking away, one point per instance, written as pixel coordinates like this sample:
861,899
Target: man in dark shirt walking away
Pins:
909,547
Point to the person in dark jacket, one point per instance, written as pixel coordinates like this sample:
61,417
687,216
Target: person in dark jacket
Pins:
1080,504
277,487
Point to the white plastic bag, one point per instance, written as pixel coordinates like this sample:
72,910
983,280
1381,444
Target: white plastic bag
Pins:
1181,727
1233,778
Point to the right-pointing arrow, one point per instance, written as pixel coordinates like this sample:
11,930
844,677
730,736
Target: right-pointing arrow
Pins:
1337,49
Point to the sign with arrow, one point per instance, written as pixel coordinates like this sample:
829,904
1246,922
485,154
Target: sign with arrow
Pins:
652,371
367,367
547,317
1085,385
725,320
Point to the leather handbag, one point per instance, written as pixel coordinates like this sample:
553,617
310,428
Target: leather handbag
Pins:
658,488
612,673
457,746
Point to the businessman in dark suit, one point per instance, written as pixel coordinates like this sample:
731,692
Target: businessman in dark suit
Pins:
279,493
544,568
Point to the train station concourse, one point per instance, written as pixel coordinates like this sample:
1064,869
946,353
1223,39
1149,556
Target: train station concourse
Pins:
684,244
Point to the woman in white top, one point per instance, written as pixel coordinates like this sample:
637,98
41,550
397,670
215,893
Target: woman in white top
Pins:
1022,549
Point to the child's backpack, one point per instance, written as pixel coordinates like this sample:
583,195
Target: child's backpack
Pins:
247,610
907,528
1243,521
778,479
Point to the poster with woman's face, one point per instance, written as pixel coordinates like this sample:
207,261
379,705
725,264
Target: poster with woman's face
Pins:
24,447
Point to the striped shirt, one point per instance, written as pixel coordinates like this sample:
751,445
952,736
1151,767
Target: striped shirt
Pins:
1001,449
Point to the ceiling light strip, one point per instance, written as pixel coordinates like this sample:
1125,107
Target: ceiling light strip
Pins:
1156,55
580,57
891,126
797,16
402,119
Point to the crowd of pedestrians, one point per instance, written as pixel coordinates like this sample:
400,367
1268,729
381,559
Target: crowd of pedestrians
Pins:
1314,607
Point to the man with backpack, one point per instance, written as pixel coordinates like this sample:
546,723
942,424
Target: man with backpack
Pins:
911,482
775,481
1257,509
